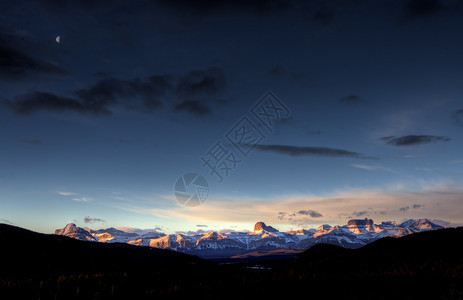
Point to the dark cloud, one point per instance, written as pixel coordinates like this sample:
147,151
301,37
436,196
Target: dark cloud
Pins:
289,216
73,6
422,8
416,9
414,140
16,65
191,232
21,57
193,94
404,209
458,117
387,138
40,101
416,206
201,225
277,70
93,220
352,100
227,230
110,91
301,151
201,84
362,213
311,213
197,89
211,7
359,213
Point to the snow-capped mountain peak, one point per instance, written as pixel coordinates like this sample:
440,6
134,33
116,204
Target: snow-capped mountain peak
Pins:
71,230
420,224
355,234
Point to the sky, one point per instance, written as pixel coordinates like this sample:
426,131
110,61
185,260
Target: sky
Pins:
295,113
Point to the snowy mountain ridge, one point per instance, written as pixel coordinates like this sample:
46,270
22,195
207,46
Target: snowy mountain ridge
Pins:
355,234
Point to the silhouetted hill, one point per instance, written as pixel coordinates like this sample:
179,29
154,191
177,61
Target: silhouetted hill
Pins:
430,254
424,265
48,266
427,265
33,253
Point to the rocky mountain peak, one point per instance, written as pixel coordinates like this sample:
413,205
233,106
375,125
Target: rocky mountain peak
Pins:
71,230
324,227
360,222
261,226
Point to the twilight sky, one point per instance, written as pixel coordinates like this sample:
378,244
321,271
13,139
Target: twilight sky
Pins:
96,129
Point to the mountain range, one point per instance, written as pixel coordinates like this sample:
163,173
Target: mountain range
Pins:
355,234
423,265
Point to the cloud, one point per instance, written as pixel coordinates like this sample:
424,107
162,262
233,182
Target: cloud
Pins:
62,193
362,213
41,101
191,232
201,83
140,231
372,168
352,100
440,200
197,89
359,213
422,8
93,220
414,140
414,206
83,199
200,225
404,209
311,213
299,216
212,7
446,223
193,94
6,221
302,151
277,70
227,230
111,91
16,65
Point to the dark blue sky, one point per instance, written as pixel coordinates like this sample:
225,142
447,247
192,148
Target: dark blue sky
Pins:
96,129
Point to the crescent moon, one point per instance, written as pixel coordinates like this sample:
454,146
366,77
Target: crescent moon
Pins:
58,39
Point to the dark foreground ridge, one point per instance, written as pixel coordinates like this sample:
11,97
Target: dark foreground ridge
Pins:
423,265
